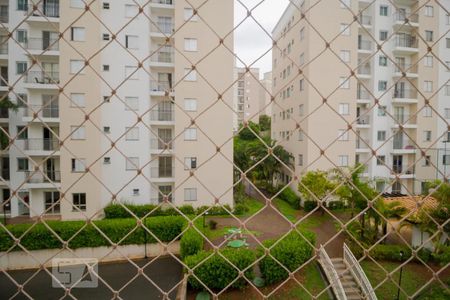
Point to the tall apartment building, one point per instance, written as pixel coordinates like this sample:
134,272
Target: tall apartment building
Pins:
246,100
265,94
382,106
114,109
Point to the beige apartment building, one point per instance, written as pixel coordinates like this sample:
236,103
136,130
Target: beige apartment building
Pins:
119,108
353,104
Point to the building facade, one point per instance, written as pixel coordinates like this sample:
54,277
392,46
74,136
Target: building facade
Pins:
352,103
117,108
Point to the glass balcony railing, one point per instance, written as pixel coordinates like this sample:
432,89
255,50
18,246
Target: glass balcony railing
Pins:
35,144
402,17
405,41
161,144
42,44
162,115
405,94
365,45
43,177
166,172
160,86
41,77
42,111
50,10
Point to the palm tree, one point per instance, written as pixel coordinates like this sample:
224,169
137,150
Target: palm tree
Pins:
390,210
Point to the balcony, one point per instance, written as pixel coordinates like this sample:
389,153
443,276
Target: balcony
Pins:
164,58
40,145
4,113
361,146
162,116
405,120
409,70
42,80
403,172
158,146
162,29
165,174
365,21
43,177
364,72
405,44
4,14
159,88
365,46
162,4
363,122
3,49
39,112
408,96
5,174
363,96
403,146
39,46
43,12
400,19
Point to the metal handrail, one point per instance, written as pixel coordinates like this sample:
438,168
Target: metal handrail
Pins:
358,273
332,274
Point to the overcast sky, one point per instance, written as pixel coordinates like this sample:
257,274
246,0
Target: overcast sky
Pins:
250,40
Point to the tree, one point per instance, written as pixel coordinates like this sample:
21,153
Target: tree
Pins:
5,103
389,210
247,134
264,123
315,184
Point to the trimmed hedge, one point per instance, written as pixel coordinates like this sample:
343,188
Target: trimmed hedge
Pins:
191,243
40,237
240,209
336,205
216,272
117,211
291,252
290,197
309,205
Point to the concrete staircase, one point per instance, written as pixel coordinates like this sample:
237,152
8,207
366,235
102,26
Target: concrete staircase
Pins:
351,288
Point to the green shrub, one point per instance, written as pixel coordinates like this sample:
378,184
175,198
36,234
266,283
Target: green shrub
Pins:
309,205
117,211
291,252
390,252
290,197
187,209
165,229
191,243
212,224
215,210
216,272
336,205
442,256
241,209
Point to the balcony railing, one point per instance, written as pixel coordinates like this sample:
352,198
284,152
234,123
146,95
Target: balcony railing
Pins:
4,48
166,172
4,113
162,115
402,144
405,94
363,120
362,144
362,95
42,111
41,144
4,17
39,177
41,77
404,119
163,27
405,41
166,2
407,68
401,17
5,174
160,145
365,45
399,169
160,86
365,20
42,44
364,70
162,56
50,10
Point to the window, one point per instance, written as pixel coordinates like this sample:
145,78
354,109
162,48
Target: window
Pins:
302,84
105,36
346,4
77,34
345,29
106,129
21,67
447,113
78,132
132,133
190,134
132,103
190,163
189,14
77,100
190,104
78,165
131,72
22,5
22,132
79,201
447,42
343,160
382,85
446,159
190,44
190,75
106,160
106,68
301,61
428,86
132,41
429,11
344,109
302,34
22,164
447,19
345,55
342,135
383,35
190,194
427,135
428,35
384,10
447,90
105,5
344,82
427,161
381,111
131,163
135,192
427,112
301,110
131,10
428,61
22,36
380,186
77,4
381,160
382,61
381,136
300,136
76,66
300,159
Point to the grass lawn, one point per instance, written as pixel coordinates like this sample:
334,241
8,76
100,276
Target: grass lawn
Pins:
413,278
219,232
287,210
436,292
253,205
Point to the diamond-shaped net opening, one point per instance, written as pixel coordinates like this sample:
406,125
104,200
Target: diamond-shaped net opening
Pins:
144,154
